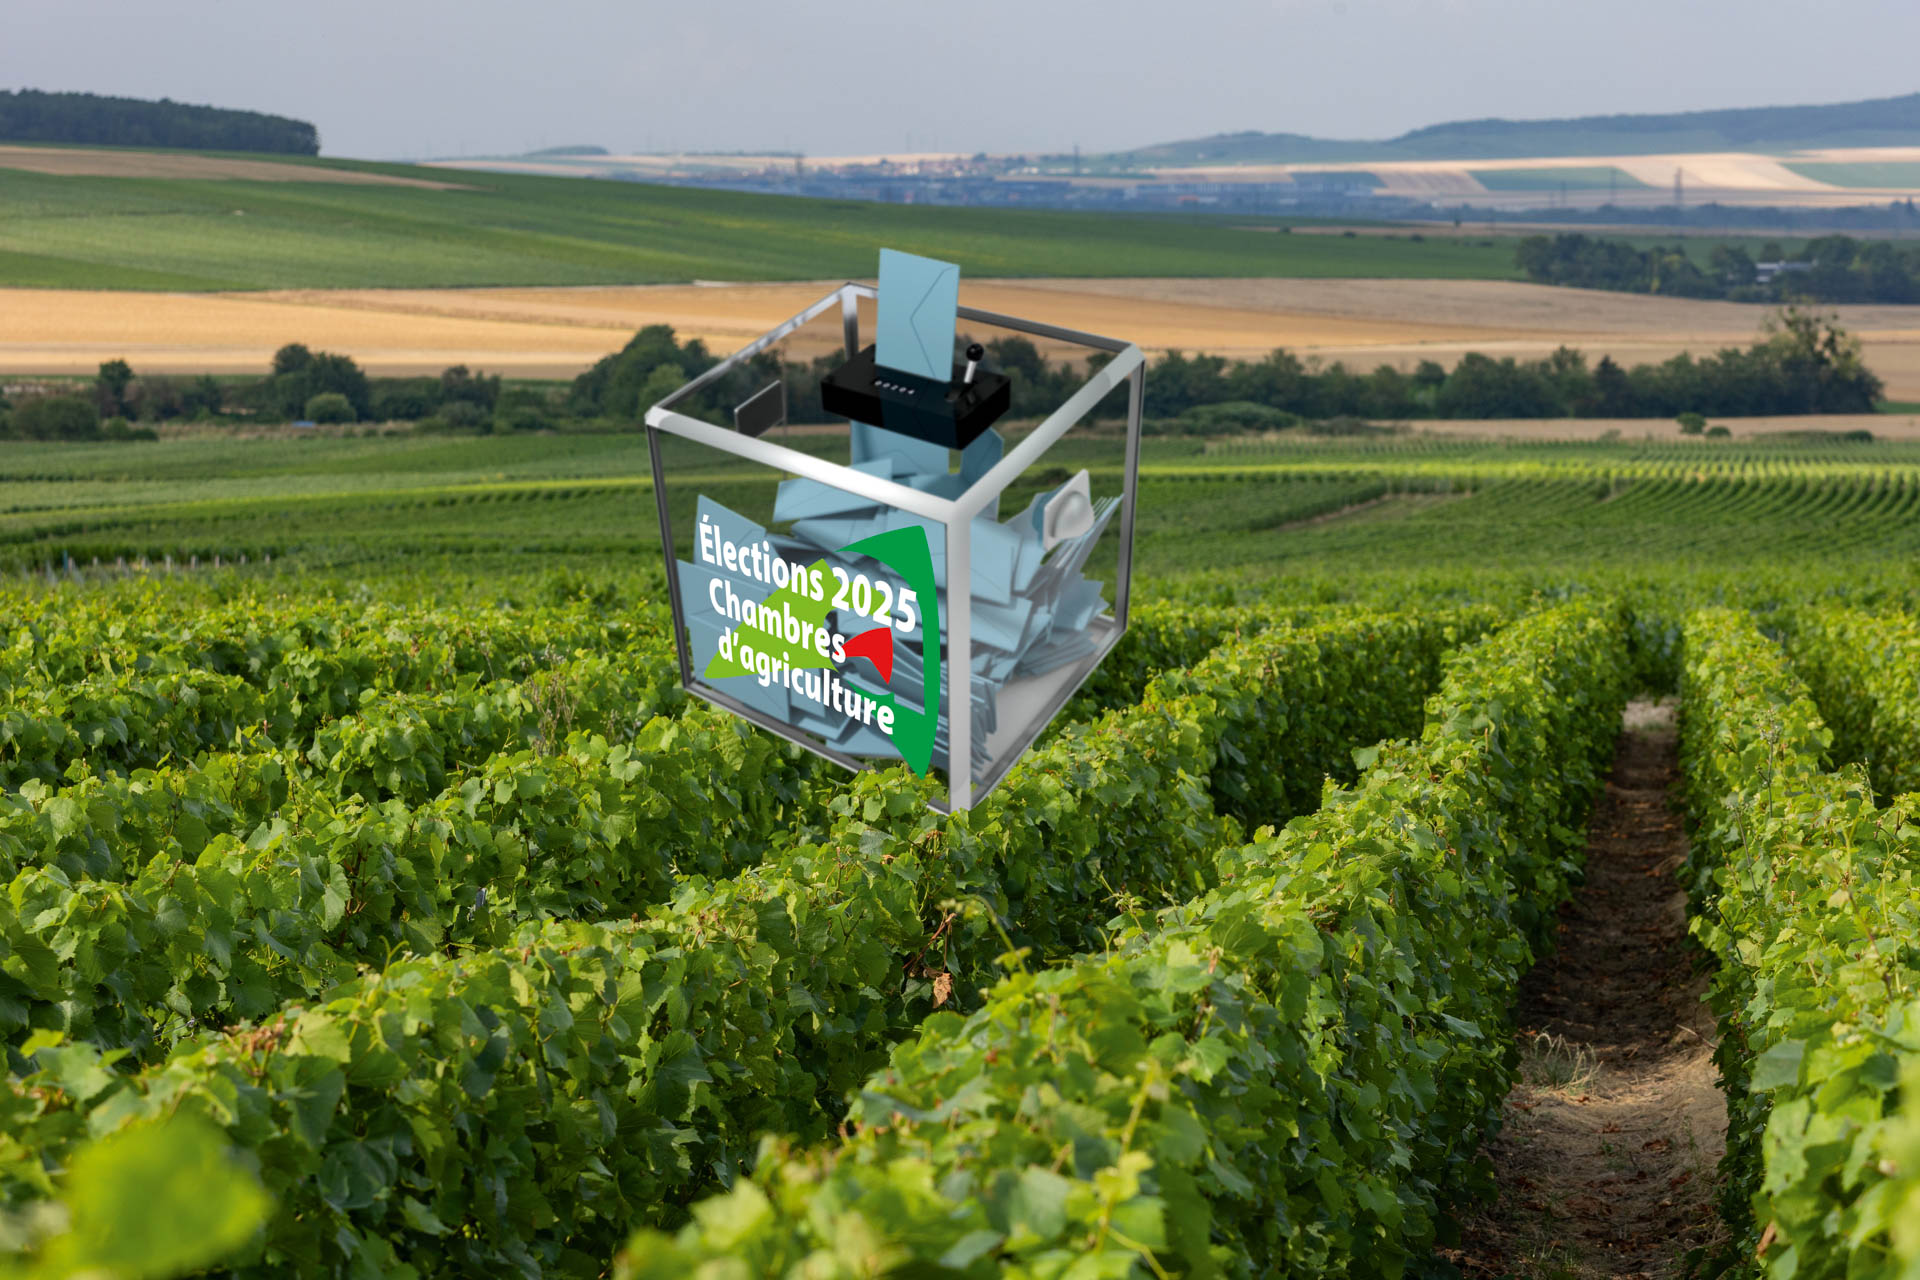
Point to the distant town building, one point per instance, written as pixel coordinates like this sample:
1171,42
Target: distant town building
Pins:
1764,272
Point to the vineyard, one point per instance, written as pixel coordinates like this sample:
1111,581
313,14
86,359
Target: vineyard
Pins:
377,905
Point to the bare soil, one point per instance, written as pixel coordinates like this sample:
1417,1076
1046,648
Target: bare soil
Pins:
1606,1163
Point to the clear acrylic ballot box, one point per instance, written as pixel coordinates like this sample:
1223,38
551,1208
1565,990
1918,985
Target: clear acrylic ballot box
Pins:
881,597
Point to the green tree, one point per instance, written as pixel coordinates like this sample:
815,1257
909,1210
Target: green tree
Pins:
110,386
155,398
462,415
614,387
662,382
291,358
1613,395
330,406
1177,382
1279,380
405,399
1672,272
203,397
1691,423
460,383
57,418
300,374
1885,273
1481,387
1819,363
1731,265
523,409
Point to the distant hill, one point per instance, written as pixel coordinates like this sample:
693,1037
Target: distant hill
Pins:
569,151
32,116
1878,122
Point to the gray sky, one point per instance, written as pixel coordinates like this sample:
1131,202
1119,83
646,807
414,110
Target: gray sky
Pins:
414,78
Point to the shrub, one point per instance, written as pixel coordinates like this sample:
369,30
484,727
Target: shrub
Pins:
154,399
405,399
330,406
118,428
1233,416
299,375
461,415
523,409
202,398
1691,424
1718,433
521,417
57,418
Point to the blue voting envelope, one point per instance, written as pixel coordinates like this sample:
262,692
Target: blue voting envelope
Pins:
919,306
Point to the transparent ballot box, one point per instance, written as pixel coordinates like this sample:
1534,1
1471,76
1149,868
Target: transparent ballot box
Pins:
879,597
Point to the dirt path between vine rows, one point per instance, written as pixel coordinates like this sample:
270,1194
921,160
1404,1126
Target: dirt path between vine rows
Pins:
1606,1164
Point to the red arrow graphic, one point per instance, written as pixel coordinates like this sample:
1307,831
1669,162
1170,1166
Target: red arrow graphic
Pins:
876,646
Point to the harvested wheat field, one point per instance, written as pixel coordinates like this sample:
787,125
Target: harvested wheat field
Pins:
556,332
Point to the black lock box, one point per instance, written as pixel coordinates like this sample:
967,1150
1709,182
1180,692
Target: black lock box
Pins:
950,413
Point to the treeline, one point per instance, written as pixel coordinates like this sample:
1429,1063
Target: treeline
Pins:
621,387
32,116
302,387
1802,363
1829,269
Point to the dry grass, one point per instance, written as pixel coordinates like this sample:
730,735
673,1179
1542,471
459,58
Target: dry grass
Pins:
78,162
1557,1064
556,332
72,331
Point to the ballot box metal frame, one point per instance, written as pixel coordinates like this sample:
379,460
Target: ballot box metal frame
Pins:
1127,365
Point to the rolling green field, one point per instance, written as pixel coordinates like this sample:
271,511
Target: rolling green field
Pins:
1253,513
512,229
1578,178
136,233
1893,173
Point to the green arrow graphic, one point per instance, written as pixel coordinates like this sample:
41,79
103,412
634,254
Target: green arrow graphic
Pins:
905,551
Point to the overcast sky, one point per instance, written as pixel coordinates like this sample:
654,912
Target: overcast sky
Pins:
422,78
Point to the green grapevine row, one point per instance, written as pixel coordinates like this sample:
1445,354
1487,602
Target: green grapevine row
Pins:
1163,635
517,1106
253,920
1288,1075
133,719
325,646
1808,896
1864,671
334,882
397,745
